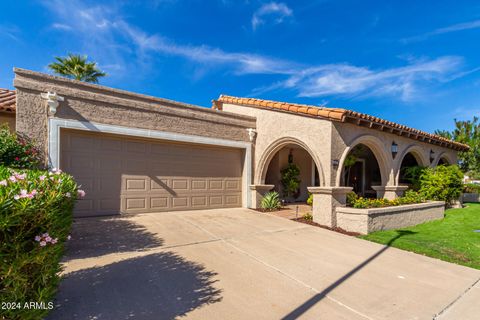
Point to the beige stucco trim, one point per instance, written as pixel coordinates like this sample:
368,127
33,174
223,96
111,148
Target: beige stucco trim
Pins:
54,141
444,155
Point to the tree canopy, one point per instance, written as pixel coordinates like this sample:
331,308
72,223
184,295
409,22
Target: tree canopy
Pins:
467,132
77,67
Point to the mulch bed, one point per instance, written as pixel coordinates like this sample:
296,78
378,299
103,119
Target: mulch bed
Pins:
339,230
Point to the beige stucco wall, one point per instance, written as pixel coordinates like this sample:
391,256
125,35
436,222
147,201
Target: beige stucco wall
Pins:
365,221
346,136
94,103
9,119
277,129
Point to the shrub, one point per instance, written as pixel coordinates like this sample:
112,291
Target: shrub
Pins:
413,176
308,216
409,198
271,201
351,198
35,218
16,152
310,199
290,179
471,188
443,183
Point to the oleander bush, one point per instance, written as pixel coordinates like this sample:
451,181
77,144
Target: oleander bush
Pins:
471,188
271,201
16,152
35,219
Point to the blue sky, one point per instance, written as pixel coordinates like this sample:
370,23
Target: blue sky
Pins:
413,62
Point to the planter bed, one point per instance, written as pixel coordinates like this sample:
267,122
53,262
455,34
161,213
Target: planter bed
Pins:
365,221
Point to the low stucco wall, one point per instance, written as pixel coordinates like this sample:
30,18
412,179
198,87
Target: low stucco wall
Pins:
365,221
471,197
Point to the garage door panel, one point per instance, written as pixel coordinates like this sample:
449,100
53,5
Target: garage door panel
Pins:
130,175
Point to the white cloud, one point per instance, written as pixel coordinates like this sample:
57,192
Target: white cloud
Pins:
277,11
453,28
10,31
348,80
123,47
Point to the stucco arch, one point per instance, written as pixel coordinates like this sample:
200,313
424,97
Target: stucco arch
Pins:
417,152
447,157
378,149
273,148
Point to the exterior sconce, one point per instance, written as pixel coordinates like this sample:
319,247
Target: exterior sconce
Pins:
52,101
432,156
252,133
335,163
394,149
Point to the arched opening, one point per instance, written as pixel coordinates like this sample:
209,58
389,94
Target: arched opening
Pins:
291,170
361,171
443,161
409,161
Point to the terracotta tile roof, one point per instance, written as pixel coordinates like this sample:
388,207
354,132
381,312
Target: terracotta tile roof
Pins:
7,100
342,115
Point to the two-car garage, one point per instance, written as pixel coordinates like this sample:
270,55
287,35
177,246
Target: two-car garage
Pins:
123,174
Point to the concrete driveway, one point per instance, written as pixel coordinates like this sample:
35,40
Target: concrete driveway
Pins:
241,264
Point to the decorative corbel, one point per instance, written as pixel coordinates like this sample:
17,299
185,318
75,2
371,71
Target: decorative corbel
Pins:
252,133
52,101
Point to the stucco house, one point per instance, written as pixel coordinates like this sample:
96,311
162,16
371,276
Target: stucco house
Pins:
134,153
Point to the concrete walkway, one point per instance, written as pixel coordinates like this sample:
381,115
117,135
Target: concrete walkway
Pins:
241,264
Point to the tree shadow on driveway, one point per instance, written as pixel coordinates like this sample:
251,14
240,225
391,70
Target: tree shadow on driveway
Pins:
156,286
94,237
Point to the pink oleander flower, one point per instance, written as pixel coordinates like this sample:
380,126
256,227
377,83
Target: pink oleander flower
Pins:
47,239
42,178
16,197
69,237
45,235
68,195
81,193
20,176
3,183
43,243
13,179
38,238
53,241
59,181
23,193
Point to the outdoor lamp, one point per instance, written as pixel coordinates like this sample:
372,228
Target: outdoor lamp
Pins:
335,163
394,149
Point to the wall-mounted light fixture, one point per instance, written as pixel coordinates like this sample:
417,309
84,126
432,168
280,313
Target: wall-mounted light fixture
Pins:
335,163
432,156
394,149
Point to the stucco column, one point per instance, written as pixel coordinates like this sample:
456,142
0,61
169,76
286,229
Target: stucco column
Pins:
389,192
325,202
257,192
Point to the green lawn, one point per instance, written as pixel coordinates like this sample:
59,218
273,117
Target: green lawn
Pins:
452,239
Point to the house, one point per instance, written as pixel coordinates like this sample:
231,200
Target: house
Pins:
134,153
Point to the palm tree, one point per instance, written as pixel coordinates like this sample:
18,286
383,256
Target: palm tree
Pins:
76,67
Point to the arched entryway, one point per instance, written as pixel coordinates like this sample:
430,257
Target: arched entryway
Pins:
291,170
405,175
443,162
361,171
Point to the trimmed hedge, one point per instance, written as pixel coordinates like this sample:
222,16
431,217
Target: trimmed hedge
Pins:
471,188
410,197
35,219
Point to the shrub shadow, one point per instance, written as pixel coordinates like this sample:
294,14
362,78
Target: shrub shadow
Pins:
156,286
94,237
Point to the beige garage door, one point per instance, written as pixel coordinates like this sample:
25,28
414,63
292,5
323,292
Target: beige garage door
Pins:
127,175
